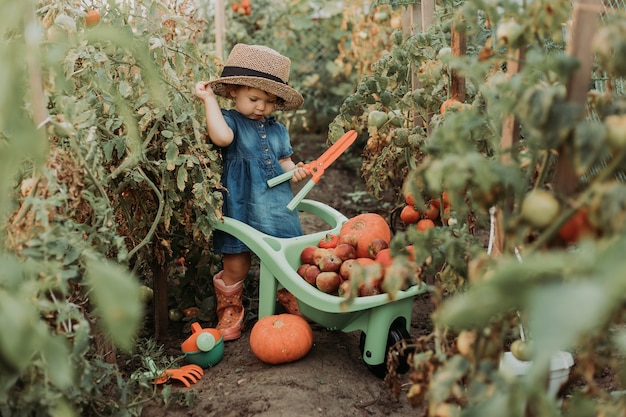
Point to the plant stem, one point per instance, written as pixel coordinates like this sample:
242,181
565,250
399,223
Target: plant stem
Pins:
157,218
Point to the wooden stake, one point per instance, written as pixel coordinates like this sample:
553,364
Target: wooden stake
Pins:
510,126
459,46
510,135
418,16
585,21
219,28
161,313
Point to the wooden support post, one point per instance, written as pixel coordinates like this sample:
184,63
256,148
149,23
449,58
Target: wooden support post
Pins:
161,316
219,28
459,47
510,126
510,135
418,17
585,22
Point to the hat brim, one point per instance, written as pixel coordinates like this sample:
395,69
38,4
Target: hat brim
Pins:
291,98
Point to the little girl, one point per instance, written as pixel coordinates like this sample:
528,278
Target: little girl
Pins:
255,148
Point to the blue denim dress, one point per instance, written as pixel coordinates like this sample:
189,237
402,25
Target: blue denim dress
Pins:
249,161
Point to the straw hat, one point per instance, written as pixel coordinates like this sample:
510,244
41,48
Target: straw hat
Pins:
259,67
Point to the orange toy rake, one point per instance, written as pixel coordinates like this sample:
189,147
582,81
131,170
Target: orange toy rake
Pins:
187,374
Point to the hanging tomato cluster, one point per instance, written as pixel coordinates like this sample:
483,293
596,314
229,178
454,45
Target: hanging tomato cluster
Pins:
243,7
425,219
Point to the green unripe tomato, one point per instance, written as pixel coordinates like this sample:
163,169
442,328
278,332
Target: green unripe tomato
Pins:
175,314
146,294
376,118
520,350
401,138
395,118
540,208
445,51
381,16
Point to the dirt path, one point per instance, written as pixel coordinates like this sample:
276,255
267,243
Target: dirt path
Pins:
331,380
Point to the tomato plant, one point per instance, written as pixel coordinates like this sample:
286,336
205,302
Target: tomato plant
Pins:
517,72
108,177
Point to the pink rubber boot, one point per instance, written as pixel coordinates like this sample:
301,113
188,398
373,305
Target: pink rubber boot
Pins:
230,311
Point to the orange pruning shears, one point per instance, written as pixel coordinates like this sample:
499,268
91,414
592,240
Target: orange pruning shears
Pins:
317,167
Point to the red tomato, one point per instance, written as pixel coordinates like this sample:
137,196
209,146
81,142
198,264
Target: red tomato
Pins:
445,199
409,199
329,241
432,212
409,215
450,103
92,18
576,227
384,257
425,224
191,311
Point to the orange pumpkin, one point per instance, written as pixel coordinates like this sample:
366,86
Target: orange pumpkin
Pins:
281,338
364,228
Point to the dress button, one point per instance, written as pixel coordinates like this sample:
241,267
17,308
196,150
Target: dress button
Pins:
263,136
266,149
261,125
269,161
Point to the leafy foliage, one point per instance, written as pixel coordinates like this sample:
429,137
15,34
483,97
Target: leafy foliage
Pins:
110,178
565,294
106,156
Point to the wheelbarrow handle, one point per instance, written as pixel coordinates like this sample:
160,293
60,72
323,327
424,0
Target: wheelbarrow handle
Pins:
272,182
301,194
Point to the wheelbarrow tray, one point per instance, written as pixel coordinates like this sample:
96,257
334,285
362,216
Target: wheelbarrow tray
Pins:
279,260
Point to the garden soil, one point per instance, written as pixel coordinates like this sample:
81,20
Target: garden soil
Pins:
332,380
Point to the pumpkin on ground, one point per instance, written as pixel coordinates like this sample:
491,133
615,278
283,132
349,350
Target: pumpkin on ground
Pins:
281,338
361,230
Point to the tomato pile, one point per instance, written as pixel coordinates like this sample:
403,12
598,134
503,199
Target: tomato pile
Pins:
435,210
356,262
243,7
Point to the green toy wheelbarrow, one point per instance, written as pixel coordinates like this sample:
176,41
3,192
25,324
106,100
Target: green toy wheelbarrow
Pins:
382,321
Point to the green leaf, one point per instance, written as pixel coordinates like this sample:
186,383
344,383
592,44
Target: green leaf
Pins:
116,295
125,89
558,314
181,178
17,319
56,355
171,155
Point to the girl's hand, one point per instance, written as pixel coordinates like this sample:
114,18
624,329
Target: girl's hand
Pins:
203,91
300,173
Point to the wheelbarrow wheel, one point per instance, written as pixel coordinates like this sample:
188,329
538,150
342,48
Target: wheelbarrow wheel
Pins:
397,332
